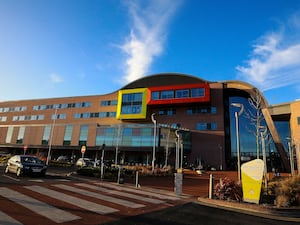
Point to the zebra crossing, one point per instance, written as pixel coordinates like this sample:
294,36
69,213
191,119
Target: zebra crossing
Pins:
77,202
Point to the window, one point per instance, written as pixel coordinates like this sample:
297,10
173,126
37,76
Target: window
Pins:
197,92
41,117
213,110
84,129
68,135
46,135
298,120
21,135
167,112
167,94
9,134
185,93
132,103
3,118
155,95
112,114
206,126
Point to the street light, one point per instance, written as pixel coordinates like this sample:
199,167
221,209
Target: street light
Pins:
154,140
291,156
237,114
51,136
263,147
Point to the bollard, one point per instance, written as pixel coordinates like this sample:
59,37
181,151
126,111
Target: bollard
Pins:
137,179
211,186
178,183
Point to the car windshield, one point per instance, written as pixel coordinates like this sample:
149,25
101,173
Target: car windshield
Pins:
28,159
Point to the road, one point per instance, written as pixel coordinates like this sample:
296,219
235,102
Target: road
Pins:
70,200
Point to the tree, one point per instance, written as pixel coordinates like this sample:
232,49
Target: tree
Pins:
255,116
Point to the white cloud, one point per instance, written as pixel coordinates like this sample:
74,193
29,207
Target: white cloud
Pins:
275,60
147,36
56,78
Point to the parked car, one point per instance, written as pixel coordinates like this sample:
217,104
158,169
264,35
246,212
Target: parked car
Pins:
82,162
25,164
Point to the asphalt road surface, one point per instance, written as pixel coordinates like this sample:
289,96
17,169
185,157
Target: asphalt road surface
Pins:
195,214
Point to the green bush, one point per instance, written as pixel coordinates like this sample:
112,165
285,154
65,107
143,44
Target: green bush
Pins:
89,171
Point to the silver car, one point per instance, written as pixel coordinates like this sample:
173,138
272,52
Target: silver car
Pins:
25,164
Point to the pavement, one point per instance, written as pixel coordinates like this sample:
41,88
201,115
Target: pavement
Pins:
195,189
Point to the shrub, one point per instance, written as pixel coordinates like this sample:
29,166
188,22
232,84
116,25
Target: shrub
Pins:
227,189
287,191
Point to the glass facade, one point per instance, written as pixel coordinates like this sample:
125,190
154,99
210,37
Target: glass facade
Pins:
129,136
249,136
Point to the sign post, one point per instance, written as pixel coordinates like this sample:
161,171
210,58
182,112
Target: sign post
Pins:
83,149
25,149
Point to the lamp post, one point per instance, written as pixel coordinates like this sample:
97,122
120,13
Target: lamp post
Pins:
237,114
291,156
263,147
117,146
177,150
102,162
154,140
51,136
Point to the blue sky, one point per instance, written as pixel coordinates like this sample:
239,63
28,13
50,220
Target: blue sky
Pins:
64,48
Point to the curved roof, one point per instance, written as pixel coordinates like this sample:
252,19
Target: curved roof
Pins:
241,85
164,79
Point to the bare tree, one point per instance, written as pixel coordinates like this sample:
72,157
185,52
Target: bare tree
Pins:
255,116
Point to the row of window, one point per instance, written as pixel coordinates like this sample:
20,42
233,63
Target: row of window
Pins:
181,93
60,116
13,109
57,106
109,102
62,106
94,115
27,118
201,110
189,111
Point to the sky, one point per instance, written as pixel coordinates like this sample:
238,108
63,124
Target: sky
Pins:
65,48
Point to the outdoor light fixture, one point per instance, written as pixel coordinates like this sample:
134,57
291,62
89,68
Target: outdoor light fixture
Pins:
51,136
237,114
154,140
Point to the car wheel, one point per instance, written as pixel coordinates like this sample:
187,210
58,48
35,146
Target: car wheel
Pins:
6,169
18,172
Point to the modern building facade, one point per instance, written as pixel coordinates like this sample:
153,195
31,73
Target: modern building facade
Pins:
163,119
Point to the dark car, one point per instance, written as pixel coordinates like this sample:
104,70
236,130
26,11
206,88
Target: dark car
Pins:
25,164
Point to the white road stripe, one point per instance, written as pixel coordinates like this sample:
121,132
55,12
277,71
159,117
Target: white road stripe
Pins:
48,211
7,220
9,177
138,191
123,194
91,206
100,196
